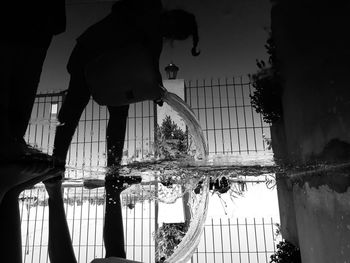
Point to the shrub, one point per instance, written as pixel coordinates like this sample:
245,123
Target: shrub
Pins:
286,253
266,98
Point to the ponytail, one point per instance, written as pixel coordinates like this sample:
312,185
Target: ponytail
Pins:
195,38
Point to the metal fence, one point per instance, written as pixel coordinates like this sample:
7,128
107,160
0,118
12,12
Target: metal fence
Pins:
237,241
227,117
85,217
231,127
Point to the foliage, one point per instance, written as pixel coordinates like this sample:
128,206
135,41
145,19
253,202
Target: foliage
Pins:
168,236
266,98
286,253
171,139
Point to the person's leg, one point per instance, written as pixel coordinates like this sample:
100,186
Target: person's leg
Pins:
10,225
116,134
113,232
75,101
60,244
10,228
15,174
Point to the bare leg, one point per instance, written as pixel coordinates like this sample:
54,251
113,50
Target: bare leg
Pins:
60,243
113,233
10,225
13,175
10,228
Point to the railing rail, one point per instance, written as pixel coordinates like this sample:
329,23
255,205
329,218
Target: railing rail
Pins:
231,126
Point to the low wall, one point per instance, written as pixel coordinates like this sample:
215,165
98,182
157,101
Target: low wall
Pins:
314,55
322,209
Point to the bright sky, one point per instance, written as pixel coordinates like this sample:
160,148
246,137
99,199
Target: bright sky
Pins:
232,36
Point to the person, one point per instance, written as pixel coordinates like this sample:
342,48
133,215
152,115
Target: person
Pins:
26,33
129,22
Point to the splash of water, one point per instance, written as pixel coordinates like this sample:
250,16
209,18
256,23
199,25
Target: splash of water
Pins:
186,113
190,241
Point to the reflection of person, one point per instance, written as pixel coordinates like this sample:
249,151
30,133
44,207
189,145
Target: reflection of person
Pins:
130,22
26,33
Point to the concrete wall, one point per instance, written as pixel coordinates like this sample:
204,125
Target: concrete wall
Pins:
289,229
323,219
315,55
314,52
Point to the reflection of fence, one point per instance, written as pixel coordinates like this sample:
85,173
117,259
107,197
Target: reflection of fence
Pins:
85,217
242,241
231,127
230,124
88,147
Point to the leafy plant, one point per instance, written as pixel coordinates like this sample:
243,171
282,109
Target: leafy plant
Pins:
168,236
286,253
171,139
266,98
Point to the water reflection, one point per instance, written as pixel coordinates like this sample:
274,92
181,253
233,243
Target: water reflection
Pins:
177,187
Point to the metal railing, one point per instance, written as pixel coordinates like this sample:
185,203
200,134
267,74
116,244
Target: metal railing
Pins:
227,117
237,241
230,125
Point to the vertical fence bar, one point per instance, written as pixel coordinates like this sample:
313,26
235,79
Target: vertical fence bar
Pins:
246,229
229,231
87,227
239,243
133,232
228,114
265,246
244,115
213,238
205,246
237,122
142,225
35,224
256,242
221,119
222,243
273,233
253,121
213,115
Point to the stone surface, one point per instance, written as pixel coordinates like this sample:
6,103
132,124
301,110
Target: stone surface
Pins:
323,219
286,207
315,57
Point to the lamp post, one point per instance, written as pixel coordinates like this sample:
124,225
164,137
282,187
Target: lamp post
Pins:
171,70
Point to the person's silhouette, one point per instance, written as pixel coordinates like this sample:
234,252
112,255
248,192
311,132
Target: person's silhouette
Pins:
26,33
130,22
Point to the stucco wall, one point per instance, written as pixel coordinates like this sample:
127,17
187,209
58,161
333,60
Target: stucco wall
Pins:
323,218
315,55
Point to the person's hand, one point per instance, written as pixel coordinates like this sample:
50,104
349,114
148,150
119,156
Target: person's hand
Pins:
159,102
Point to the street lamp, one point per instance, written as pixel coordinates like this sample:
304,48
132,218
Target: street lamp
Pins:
171,71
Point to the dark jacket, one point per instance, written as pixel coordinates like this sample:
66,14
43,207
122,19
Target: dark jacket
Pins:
130,22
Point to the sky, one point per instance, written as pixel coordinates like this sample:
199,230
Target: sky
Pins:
232,36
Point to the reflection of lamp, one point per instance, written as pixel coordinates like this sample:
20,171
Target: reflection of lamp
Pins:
171,71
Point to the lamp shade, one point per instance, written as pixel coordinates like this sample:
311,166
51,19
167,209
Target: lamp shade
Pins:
171,71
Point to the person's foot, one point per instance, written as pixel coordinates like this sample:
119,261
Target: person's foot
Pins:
91,183
122,182
20,152
54,185
24,175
